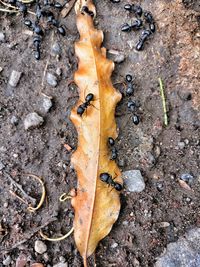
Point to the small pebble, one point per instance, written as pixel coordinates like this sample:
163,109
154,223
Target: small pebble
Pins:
37,265
125,223
188,178
56,49
163,224
2,166
7,261
1,69
46,104
33,120
59,71
2,37
114,245
62,259
14,120
5,204
14,78
181,145
131,44
157,151
160,186
122,162
21,261
186,141
119,58
46,257
52,79
61,264
40,247
134,181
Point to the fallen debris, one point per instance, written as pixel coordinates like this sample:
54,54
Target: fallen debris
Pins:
14,78
33,120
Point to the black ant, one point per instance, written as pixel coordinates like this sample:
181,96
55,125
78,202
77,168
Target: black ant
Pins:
114,154
133,26
86,10
111,141
107,178
130,87
37,42
149,19
137,10
81,109
143,38
115,1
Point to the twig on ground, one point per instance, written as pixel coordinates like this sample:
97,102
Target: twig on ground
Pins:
21,199
29,234
67,8
26,196
163,101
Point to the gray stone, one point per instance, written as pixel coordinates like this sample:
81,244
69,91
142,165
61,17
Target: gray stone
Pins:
114,245
133,180
56,49
62,259
46,104
61,264
52,79
183,253
2,37
7,261
2,166
40,247
119,58
14,120
14,78
186,177
33,120
181,145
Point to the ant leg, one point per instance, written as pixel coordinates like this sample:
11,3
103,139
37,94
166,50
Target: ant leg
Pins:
94,106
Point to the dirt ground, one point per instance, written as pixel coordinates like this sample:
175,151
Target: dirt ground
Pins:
164,210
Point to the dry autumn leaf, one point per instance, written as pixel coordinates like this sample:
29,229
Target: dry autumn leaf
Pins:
96,204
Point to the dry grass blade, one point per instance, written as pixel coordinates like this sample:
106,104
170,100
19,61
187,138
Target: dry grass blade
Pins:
56,239
30,208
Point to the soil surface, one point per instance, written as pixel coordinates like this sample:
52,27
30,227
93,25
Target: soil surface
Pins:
148,221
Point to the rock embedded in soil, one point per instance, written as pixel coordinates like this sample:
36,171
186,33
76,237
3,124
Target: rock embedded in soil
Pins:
40,247
14,78
56,49
187,177
134,181
7,261
61,264
2,166
183,253
2,37
14,120
33,120
119,58
52,80
46,104
181,145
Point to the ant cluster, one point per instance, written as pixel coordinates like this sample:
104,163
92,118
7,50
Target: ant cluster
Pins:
132,105
105,177
138,24
43,13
